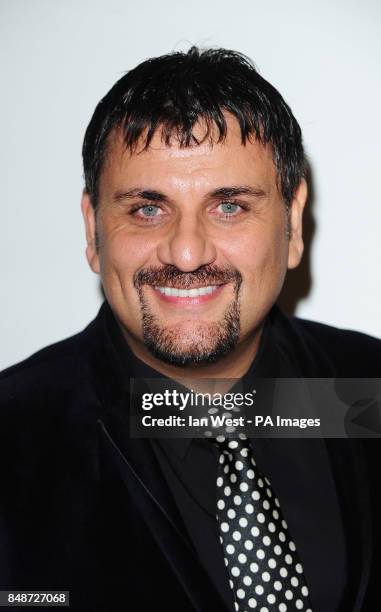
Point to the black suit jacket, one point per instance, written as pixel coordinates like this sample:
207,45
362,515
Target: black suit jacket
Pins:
85,508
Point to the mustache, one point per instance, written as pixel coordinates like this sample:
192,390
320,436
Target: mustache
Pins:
170,276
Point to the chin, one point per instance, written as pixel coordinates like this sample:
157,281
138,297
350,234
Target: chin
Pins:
187,346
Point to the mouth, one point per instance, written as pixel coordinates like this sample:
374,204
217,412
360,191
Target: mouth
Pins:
192,296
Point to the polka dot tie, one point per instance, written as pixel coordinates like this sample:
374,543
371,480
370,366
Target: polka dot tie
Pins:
265,572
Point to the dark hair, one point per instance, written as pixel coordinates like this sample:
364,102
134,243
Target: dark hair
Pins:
173,91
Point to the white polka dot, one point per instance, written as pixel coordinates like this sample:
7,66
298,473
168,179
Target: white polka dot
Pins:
252,602
213,410
282,607
288,559
236,536
268,491
249,545
244,452
294,581
266,540
276,500
249,508
240,593
256,495
266,576
254,567
305,591
283,572
227,491
235,571
233,444
259,589
243,522
271,598
230,549
254,531
277,585
220,480
208,434
271,563
226,469
266,504
224,527
247,580
260,553
260,517
260,482
233,477
277,549
226,561
299,568
284,524
289,594
231,583
231,513
271,527
276,514
250,474
292,546
282,536
242,436
299,604
253,461
237,500
220,504
244,486
236,606
242,558
220,438
238,465
264,609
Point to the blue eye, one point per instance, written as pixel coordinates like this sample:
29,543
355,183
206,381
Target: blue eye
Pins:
229,208
149,211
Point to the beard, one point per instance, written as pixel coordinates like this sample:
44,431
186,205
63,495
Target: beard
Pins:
205,342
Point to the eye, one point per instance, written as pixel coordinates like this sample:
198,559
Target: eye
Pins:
229,208
150,210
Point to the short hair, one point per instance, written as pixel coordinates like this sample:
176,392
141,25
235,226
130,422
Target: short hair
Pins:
172,92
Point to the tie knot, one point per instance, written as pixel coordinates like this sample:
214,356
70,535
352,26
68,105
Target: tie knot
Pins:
232,446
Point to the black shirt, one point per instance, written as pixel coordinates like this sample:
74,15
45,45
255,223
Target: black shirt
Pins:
189,465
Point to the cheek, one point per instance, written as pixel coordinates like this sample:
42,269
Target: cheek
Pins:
258,255
123,254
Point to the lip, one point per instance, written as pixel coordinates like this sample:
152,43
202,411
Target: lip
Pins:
188,301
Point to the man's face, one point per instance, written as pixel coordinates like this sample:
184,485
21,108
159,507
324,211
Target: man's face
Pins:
193,243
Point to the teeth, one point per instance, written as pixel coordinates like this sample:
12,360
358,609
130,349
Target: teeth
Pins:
186,292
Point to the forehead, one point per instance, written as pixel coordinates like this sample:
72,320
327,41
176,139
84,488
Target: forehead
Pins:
200,167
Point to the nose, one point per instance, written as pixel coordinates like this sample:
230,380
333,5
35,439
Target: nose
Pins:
188,246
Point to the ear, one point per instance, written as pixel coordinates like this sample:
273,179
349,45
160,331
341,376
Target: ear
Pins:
296,245
90,226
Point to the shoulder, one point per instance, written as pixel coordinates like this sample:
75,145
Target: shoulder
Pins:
52,372
350,353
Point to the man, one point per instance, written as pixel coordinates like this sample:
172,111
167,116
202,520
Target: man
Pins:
195,189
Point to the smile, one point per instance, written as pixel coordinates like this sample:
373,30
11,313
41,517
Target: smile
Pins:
187,293
188,297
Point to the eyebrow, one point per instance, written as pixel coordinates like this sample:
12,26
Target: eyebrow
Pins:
157,196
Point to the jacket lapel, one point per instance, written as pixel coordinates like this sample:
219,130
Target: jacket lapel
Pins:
138,469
